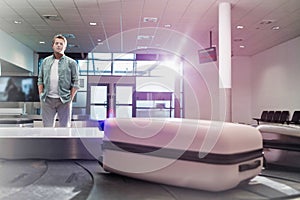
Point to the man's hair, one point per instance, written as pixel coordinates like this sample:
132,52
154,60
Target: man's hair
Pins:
60,36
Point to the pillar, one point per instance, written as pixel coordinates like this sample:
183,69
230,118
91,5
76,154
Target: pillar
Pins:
225,61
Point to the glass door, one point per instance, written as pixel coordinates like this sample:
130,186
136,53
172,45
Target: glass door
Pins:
123,100
99,102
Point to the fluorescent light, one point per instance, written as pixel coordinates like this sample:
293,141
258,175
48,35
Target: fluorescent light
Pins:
239,27
42,42
93,23
242,46
167,25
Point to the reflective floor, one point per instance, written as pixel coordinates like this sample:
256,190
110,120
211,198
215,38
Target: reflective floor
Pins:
85,179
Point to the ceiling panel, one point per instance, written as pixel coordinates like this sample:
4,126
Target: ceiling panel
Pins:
242,8
65,4
152,10
122,20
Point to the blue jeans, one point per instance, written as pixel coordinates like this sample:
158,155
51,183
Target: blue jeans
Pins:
52,107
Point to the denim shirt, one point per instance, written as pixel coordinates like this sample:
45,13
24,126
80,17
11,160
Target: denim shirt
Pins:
67,77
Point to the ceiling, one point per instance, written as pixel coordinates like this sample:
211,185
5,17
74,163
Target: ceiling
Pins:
35,21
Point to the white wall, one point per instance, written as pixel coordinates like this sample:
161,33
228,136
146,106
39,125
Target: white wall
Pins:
15,52
276,78
266,81
241,89
201,91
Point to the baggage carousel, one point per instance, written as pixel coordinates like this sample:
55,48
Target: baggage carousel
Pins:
62,163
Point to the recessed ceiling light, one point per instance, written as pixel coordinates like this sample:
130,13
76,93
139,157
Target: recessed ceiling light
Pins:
93,23
17,22
239,27
275,28
99,40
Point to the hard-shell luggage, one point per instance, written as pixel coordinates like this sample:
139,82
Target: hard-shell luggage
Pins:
206,155
281,144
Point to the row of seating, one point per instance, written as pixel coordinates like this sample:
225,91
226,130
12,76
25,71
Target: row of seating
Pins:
278,117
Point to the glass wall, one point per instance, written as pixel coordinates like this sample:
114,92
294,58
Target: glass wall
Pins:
159,77
152,73
116,64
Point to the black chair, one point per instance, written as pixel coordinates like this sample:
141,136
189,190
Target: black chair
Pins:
276,117
284,117
262,118
295,118
270,116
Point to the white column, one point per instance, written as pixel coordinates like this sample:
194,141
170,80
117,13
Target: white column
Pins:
225,60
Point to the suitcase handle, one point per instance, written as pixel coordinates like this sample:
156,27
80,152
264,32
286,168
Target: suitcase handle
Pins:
249,166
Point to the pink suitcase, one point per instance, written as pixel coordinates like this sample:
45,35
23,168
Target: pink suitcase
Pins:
281,144
206,155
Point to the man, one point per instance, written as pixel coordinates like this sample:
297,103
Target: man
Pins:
57,84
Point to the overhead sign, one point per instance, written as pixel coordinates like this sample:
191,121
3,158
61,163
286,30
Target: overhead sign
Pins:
207,55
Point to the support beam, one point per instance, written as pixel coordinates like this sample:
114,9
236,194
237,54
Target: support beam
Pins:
225,61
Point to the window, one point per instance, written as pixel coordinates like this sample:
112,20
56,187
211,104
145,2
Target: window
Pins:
123,68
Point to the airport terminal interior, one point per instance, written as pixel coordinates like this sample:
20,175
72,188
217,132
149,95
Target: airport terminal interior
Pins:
177,99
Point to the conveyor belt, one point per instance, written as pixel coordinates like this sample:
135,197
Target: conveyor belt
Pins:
61,164
40,179
50,143
82,179
16,122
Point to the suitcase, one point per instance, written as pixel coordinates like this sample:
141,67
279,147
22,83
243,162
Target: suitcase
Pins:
281,144
205,155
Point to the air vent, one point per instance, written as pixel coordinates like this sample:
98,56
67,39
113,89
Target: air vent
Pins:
266,22
69,35
73,45
150,19
52,17
145,37
238,39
